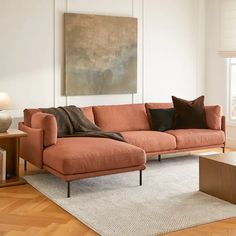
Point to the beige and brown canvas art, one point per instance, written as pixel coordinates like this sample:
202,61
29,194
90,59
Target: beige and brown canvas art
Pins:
100,54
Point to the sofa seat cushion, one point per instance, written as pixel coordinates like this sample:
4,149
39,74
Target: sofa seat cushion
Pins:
189,138
88,154
150,141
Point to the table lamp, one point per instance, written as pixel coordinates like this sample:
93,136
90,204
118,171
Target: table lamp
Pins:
5,118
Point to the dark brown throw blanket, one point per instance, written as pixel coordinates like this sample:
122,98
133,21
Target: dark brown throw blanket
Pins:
72,122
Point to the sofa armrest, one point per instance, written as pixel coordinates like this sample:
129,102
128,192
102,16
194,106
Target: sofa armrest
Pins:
46,122
31,147
213,116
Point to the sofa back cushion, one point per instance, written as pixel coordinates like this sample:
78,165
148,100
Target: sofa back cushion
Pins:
213,113
132,117
28,113
163,105
88,112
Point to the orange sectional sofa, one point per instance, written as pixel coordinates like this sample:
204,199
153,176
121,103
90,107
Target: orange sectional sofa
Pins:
82,157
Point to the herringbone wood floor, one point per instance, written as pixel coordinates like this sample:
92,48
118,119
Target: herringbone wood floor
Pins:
25,211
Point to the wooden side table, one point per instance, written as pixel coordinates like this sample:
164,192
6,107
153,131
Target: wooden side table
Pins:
10,141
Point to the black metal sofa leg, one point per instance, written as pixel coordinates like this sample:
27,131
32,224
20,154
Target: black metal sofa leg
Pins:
140,183
223,149
68,189
25,165
159,157
140,178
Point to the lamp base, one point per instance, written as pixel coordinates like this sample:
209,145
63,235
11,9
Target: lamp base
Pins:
5,121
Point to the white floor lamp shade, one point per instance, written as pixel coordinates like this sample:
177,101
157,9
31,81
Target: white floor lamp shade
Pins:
5,118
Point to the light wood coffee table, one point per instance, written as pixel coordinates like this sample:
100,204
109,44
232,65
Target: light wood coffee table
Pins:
217,176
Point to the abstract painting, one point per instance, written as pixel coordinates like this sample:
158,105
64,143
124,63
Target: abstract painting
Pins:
100,54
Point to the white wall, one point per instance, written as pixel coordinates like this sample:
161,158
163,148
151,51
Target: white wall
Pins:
170,50
26,49
216,76
174,49
216,67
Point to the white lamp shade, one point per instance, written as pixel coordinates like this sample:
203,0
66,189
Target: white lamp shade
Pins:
5,101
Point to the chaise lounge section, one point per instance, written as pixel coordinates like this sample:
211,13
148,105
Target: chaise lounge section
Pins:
73,158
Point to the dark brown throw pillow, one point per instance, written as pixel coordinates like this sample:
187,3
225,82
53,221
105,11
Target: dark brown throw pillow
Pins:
189,114
162,119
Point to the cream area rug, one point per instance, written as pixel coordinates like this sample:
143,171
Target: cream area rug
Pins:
114,205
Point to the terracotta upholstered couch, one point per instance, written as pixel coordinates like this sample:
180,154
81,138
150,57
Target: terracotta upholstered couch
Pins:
82,157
